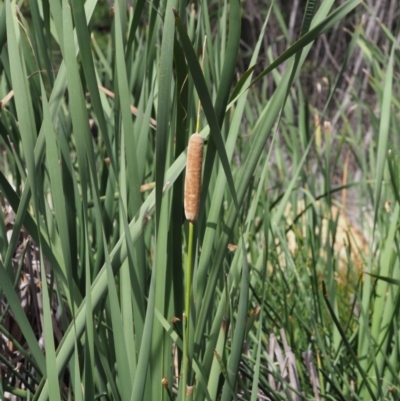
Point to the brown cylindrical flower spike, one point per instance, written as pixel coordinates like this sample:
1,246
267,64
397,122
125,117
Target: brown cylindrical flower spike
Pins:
193,177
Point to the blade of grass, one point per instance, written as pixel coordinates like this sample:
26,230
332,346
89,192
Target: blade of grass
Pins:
201,87
363,344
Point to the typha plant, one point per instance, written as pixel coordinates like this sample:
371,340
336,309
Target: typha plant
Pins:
194,164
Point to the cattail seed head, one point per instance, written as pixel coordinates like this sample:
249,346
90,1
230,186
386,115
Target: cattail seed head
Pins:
193,177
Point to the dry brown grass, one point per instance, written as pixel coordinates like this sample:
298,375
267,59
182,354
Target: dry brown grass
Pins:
350,245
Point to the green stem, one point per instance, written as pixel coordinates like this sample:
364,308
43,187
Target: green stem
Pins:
188,290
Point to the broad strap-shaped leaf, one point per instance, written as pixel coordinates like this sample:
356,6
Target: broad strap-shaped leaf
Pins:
204,95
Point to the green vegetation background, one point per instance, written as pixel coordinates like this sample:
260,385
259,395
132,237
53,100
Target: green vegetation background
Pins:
287,285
